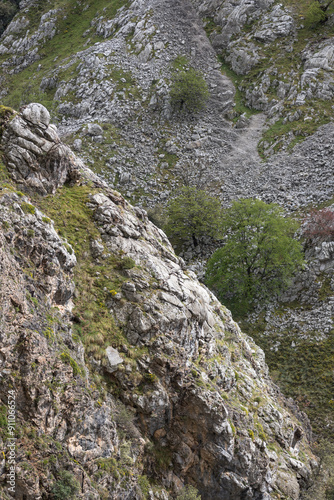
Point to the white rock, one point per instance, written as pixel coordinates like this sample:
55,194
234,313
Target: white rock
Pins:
37,114
114,359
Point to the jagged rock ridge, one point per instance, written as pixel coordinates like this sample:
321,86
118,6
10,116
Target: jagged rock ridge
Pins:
200,390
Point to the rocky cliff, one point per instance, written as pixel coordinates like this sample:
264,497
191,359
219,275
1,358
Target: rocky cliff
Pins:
137,381
104,72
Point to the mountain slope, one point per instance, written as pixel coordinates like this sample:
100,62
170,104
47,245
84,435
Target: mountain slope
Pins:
114,68
199,405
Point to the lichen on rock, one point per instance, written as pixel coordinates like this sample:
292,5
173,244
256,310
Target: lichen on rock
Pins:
198,404
34,154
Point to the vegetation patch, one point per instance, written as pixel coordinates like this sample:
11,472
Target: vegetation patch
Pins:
304,371
259,256
95,281
192,215
28,208
65,487
189,90
66,358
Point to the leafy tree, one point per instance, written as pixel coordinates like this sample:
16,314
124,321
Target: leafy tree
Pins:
192,215
189,90
259,257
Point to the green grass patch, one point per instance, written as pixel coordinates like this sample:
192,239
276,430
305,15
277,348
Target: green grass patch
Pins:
96,282
28,208
66,358
321,114
3,421
303,371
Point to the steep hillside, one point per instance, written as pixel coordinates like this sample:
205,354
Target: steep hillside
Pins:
104,70
113,68
138,380
280,62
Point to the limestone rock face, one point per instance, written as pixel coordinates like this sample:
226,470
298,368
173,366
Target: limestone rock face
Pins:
37,241
33,153
190,391
189,409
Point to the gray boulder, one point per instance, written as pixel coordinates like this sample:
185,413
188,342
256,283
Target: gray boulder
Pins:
33,153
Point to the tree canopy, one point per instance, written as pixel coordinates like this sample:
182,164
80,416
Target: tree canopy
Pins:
189,90
259,257
192,215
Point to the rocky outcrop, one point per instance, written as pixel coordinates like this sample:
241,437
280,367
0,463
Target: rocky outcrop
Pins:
56,415
189,394
285,65
119,78
33,153
189,410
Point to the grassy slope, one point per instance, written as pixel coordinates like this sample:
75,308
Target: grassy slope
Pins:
71,25
303,371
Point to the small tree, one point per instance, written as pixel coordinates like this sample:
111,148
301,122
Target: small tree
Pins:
192,215
189,90
319,226
259,257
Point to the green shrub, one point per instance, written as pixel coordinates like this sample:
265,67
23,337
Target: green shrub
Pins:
126,263
189,90
192,215
66,486
189,493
